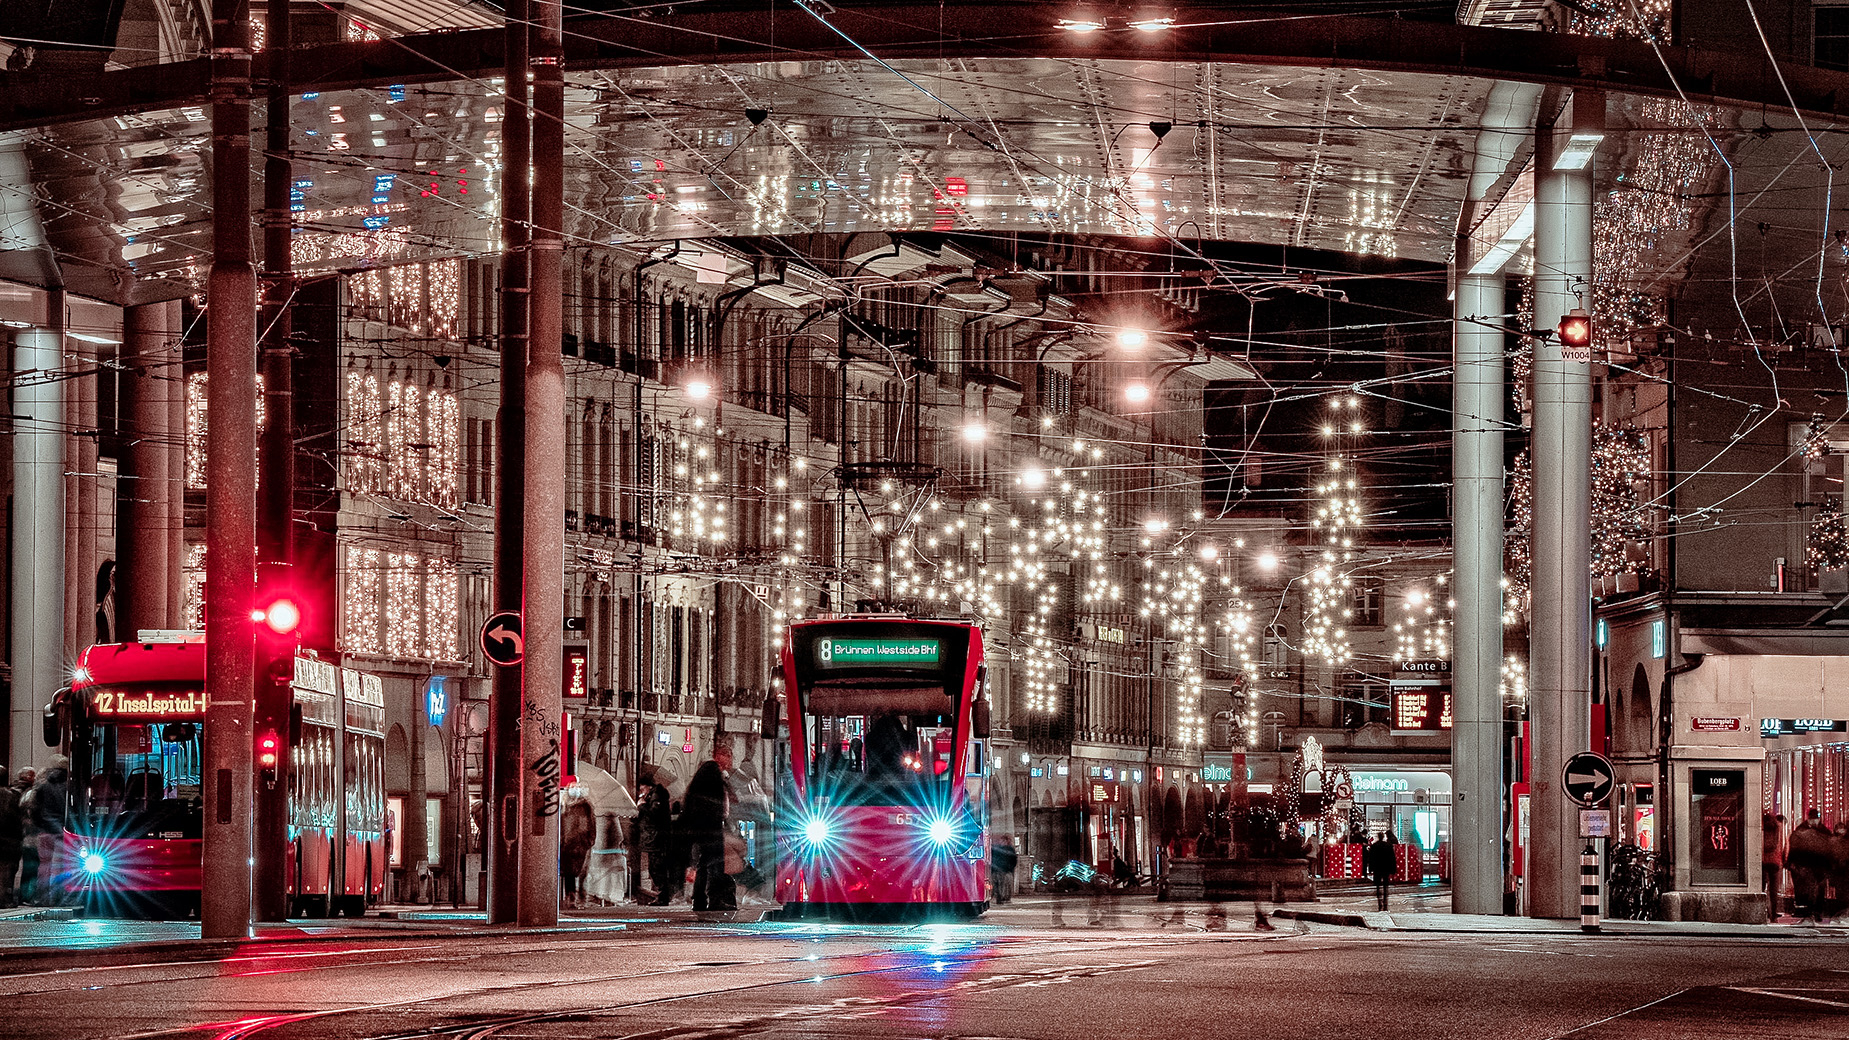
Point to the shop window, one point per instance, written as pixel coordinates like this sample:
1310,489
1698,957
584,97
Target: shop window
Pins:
1367,594
1831,36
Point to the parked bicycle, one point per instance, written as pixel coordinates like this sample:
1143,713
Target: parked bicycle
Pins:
1634,879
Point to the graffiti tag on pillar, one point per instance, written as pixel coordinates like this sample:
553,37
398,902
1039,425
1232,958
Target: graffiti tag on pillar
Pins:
546,768
545,722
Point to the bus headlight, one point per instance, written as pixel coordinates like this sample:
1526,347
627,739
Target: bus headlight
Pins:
941,832
93,863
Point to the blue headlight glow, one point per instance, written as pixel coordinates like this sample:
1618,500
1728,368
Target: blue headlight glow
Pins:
94,863
942,831
815,832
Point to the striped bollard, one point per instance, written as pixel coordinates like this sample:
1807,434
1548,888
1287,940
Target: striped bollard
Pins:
1589,890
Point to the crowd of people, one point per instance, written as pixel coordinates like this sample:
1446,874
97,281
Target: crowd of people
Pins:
33,810
696,834
1816,858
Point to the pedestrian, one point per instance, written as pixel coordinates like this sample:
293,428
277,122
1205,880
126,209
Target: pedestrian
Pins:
577,833
27,889
708,804
1838,899
1379,862
12,832
1772,860
50,798
1807,856
656,822
1003,860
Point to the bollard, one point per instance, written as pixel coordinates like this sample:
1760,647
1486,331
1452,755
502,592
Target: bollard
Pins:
1589,890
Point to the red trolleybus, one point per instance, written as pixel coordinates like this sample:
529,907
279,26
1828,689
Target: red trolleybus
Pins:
133,722
883,785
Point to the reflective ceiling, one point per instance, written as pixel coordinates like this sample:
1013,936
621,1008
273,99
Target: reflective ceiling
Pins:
1363,162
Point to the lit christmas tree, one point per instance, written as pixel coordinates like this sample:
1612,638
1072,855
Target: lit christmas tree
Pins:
1829,539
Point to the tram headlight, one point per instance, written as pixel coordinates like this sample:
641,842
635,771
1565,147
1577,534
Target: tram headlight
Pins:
93,863
941,832
815,832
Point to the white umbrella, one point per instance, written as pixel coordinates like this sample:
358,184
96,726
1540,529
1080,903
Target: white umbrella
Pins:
607,796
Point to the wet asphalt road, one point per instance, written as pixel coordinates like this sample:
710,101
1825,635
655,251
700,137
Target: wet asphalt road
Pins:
1019,973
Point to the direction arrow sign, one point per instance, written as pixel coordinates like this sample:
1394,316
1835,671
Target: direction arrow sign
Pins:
1588,778
502,640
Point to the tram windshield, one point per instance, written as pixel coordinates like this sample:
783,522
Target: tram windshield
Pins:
146,769
879,747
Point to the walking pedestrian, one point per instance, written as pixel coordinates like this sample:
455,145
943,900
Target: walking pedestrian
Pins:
577,833
1003,859
1807,856
708,805
1379,861
1772,861
50,798
12,833
27,889
656,822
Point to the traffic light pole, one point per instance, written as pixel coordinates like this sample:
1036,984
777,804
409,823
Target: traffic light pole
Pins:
543,740
504,771
231,476
276,504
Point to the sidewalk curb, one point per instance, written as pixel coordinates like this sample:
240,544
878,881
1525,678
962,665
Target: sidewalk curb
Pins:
16,958
1335,917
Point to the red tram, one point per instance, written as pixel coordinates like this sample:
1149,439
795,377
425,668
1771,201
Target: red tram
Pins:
883,784
133,722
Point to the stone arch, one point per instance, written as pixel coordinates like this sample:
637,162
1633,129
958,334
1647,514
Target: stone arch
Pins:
1638,715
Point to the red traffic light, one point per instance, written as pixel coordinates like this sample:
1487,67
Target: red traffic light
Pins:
282,616
266,751
1576,328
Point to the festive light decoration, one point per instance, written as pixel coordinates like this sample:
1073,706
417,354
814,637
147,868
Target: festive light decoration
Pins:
1828,545
403,442
1816,439
196,427
1620,515
192,608
1423,630
360,601
1515,682
1620,461
400,604
1333,526
404,636
1650,210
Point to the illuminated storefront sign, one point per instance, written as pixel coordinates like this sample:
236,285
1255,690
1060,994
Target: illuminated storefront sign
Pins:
1779,727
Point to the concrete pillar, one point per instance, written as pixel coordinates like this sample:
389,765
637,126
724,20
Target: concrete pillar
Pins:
150,490
505,711
1560,665
37,565
544,601
80,477
175,388
231,492
1476,537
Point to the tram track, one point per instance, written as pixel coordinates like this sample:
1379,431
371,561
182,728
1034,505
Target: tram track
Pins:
486,1026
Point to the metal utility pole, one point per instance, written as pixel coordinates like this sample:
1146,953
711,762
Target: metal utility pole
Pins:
231,478
276,506
1476,537
542,739
503,757
1561,640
